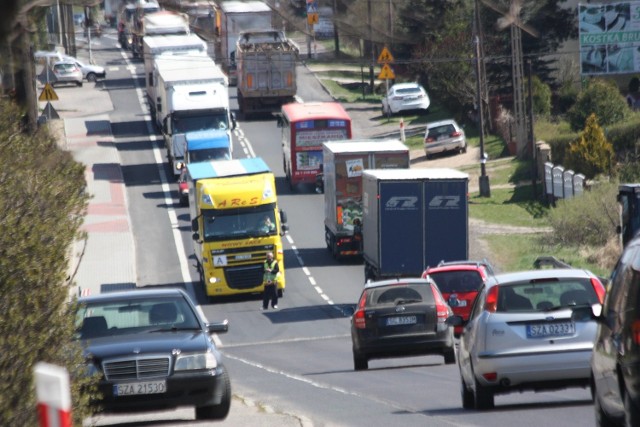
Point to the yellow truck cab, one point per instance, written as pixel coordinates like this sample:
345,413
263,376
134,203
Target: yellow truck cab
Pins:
229,203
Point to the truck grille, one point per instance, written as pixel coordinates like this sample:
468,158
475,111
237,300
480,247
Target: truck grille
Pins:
244,277
137,368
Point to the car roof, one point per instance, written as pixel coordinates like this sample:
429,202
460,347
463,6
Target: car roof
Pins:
405,85
399,281
518,276
442,122
133,294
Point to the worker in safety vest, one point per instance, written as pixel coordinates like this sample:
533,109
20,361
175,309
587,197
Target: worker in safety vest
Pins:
271,271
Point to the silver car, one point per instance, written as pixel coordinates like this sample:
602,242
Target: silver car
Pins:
444,135
89,71
522,334
67,72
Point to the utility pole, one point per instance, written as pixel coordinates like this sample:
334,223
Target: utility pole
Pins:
370,46
532,140
485,190
336,38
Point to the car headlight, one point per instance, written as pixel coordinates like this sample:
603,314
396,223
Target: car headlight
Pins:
187,362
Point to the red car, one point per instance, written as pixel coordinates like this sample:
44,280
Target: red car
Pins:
459,282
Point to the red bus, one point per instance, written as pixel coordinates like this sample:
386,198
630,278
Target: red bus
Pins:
305,126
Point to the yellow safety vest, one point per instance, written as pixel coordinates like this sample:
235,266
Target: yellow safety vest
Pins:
268,276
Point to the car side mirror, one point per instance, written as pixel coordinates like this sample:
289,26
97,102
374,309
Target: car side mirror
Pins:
285,228
218,327
349,310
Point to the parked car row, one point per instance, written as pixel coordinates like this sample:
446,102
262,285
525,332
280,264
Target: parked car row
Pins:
542,329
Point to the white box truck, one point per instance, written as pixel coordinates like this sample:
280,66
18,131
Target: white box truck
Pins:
191,95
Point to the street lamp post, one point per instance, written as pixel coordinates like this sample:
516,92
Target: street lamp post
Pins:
485,190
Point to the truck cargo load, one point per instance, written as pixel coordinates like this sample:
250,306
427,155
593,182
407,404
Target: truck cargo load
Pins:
236,17
228,203
344,163
412,219
266,71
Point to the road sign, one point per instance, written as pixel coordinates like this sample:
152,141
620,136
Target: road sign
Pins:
385,56
48,94
386,73
312,18
312,12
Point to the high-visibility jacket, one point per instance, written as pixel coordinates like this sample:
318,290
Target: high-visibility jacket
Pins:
270,271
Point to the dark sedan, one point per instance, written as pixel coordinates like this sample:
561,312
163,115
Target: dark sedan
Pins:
403,317
153,351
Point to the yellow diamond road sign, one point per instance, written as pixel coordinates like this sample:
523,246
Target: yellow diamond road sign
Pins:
48,94
386,73
385,56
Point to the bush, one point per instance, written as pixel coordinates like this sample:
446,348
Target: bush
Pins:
602,98
43,202
591,154
541,97
586,220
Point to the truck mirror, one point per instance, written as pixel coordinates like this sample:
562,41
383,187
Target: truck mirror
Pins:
196,237
233,121
283,216
194,226
285,228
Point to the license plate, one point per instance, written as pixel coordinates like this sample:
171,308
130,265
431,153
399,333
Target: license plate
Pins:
401,320
243,257
551,330
131,389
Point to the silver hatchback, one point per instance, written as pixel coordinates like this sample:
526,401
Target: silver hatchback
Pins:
444,135
67,72
522,334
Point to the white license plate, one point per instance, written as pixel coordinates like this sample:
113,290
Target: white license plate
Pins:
242,257
131,389
551,330
401,320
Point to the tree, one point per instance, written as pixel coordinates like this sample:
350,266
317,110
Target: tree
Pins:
602,98
43,203
591,154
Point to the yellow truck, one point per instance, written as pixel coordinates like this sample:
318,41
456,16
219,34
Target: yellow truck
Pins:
235,221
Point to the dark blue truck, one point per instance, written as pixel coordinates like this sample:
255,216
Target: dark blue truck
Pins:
412,219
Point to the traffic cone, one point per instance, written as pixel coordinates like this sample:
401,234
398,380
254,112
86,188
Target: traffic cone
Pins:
402,138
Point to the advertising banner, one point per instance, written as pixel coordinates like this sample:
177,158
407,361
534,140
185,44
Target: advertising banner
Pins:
609,38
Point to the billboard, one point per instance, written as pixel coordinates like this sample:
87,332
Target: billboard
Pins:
609,38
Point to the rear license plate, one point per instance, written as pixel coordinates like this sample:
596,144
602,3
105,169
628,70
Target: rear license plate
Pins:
551,330
401,320
131,389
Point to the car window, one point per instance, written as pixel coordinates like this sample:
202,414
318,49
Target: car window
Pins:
400,294
542,296
441,130
457,281
133,316
408,90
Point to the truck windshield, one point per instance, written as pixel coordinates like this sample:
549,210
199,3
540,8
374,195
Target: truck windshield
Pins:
239,224
209,154
184,124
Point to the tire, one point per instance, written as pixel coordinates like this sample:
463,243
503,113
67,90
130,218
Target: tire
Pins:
468,401
482,397
450,356
360,363
631,412
602,419
221,410
79,84
91,77
463,149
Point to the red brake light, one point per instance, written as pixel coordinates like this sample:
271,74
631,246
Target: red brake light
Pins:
599,288
429,139
454,134
490,376
491,304
635,331
358,316
442,309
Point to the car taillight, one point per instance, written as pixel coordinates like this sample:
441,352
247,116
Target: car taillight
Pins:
358,317
442,309
455,134
491,304
635,331
429,139
599,288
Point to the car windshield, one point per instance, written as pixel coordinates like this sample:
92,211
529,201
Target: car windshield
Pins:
399,294
127,316
209,154
546,295
184,124
408,91
442,130
457,281
239,223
